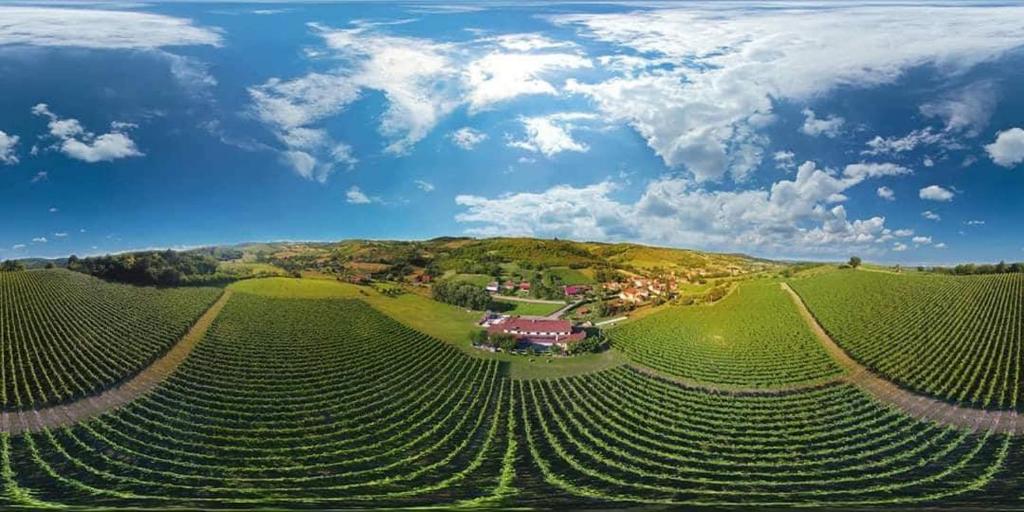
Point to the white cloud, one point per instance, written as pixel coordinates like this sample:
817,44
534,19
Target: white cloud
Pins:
1008,148
967,109
98,28
722,70
425,186
500,76
886,193
785,160
922,240
935,193
7,145
76,142
18,247
60,234
356,196
39,240
422,81
899,247
467,138
874,170
940,245
552,134
40,176
54,209
930,215
895,145
830,126
975,223
792,216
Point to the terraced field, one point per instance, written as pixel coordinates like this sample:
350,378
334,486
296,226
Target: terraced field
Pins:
958,338
753,338
65,335
288,402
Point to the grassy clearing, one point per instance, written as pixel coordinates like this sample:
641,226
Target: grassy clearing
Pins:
517,307
441,321
571,275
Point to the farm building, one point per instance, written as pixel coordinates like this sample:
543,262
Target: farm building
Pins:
575,290
539,331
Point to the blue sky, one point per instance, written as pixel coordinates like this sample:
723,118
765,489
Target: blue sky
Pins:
781,130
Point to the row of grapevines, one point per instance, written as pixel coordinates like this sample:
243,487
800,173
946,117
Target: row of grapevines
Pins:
65,335
318,403
753,338
622,436
958,338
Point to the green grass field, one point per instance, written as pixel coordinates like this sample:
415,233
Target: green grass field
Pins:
518,307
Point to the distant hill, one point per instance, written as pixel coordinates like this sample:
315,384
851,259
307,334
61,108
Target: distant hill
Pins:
478,256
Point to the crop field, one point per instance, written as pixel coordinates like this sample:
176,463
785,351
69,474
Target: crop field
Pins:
302,394
958,338
288,402
621,436
752,338
65,335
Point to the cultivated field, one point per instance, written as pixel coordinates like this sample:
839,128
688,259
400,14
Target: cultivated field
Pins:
958,338
64,335
310,394
752,338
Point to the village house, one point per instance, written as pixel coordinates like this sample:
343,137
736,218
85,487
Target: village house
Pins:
575,290
537,331
492,287
634,295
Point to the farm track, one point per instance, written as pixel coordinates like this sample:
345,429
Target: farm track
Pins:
16,422
916,405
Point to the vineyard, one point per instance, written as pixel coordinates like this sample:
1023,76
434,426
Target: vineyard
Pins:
65,335
955,338
313,403
753,338
288,402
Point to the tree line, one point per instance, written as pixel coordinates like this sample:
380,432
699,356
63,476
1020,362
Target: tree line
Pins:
159,268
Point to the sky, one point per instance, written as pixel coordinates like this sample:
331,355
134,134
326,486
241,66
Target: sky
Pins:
809,130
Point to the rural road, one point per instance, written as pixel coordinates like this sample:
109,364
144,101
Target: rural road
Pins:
915,405
16,422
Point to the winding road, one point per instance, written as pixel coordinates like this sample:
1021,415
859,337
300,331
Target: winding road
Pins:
35,420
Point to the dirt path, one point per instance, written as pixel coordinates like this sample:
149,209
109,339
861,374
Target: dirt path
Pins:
68,414
916,405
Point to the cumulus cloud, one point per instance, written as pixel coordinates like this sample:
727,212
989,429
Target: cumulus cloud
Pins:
552,134
356,196
1008,148
799,215
899,247
784,160
7,145
39,240
467,138
500,76
99,28
714,75
930,215
935,193
830,126
76,142
886,193
922,240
